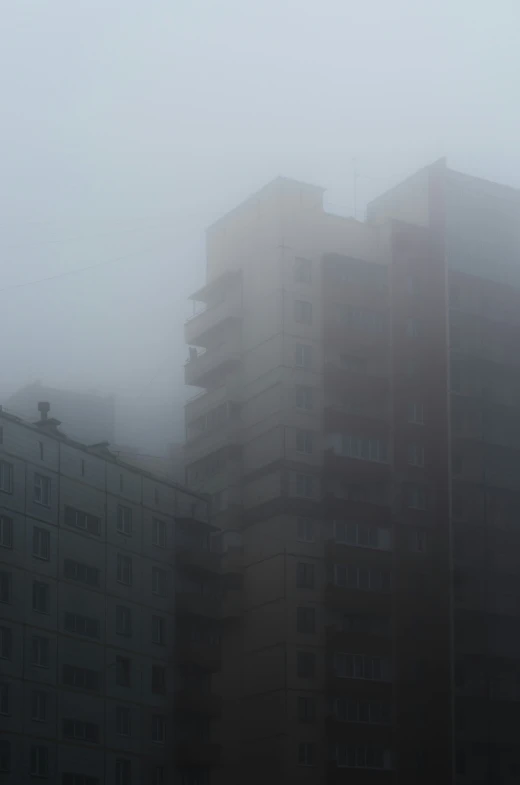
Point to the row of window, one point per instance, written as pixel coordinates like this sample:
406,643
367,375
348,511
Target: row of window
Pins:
360,666
39,763
364,578
361,756
81,572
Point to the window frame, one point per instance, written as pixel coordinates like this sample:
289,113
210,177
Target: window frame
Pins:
124,520
6,476
6,532
41,543
42,487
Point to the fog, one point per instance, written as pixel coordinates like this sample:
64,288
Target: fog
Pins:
129,126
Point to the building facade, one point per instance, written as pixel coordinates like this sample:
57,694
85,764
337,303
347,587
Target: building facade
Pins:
87,623
357,431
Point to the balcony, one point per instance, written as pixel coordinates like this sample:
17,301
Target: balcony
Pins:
196,701
206,656
199,328
356,600
198,560
206,368
337,639
192,604
197,754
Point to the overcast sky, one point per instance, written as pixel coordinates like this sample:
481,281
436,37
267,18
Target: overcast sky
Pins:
130,125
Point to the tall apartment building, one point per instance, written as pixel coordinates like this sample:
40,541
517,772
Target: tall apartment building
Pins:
358,429
87,671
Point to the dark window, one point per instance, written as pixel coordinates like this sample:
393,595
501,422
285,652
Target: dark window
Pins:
123,771
41,597
158,729
82,520
158,679
39,761
5,755
305,664
4,698
123,717
159,582
416,497
303,397
305,754
302,312
123,671
159,533
40,651
82,678
305,529
5,586
81,625
416,412
416,455
304,485
40,445
158,630
306,709
123,620
304,575
42,490
124,569
306,620
38,706
304,441
77,571
78,729
6,532
124,520
418,540
6,477
41,543
303,356
6,643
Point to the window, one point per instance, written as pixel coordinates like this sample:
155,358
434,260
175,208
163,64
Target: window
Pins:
41,543
39,762
82,520
304,486
158,630
6,532
123,716
362,534
40,651
42,490
416,497
159,582
302,355
6,643
5,755
78,779
306,709
4,698
305,664
123,621
123,671
304,575
306,620
38,706
413,328
124,569
158,776
159,533
40,446
418,540
6,477
416,412
365,578
81,625
158,729
416,455
6,584
302,270
124,520
83,678
302,312
77,571
305,530
78,729
360,666
305,754
158,679
304,441
41,597
303,397
123,771
372,712
365,448
362,756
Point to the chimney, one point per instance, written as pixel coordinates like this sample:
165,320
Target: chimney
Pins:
43,408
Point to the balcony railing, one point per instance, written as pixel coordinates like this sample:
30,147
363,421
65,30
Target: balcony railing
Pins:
201,367
200,326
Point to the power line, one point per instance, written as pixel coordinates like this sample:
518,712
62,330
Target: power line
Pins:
106,262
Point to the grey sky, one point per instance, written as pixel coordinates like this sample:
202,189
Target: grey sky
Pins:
128,126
